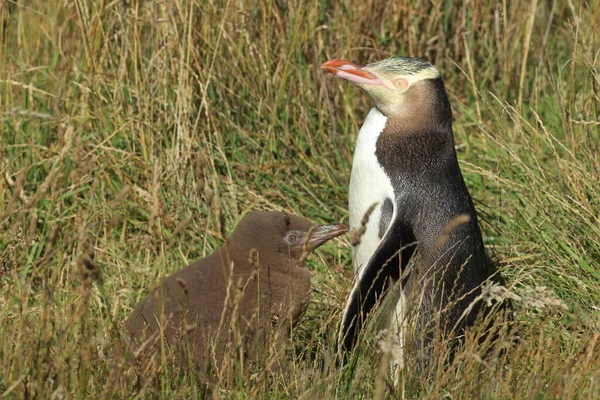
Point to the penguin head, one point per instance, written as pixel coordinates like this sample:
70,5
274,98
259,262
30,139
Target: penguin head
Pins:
391,83
280,237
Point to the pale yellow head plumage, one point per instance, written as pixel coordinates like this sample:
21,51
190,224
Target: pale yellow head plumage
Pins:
386,81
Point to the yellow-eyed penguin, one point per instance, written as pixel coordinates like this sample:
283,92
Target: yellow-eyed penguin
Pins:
405,163
251,290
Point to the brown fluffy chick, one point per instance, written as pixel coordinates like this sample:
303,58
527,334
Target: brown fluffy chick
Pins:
238,301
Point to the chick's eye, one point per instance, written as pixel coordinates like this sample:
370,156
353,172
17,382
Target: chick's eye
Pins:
291,238
400,83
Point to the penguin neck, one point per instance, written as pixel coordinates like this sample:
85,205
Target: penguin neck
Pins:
247,258
280,279
418,131
423,108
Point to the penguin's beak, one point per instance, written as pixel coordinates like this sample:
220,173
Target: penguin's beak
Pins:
351,72
323,233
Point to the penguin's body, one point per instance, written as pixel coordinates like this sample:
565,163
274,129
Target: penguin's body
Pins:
369,185
406,162
247,293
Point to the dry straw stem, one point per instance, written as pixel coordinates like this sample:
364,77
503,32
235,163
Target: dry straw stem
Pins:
528,32
213,108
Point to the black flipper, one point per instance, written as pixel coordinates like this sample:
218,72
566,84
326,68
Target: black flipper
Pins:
385,267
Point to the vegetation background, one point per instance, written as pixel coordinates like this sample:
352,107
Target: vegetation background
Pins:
134,134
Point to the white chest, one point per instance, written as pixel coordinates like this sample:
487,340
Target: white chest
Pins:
369,184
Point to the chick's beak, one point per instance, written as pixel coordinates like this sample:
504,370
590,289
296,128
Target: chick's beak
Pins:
351,72
323,233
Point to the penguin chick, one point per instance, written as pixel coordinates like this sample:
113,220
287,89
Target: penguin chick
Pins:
251,290
406,164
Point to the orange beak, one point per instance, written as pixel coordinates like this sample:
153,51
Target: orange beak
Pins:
351,72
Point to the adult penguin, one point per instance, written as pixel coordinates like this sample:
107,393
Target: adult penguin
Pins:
405,174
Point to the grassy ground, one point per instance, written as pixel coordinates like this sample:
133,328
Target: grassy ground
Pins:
133,134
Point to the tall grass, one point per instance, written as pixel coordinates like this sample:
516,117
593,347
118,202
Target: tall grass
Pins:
134,135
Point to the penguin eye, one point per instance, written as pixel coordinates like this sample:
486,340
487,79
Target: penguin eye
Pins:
291,238
400,83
